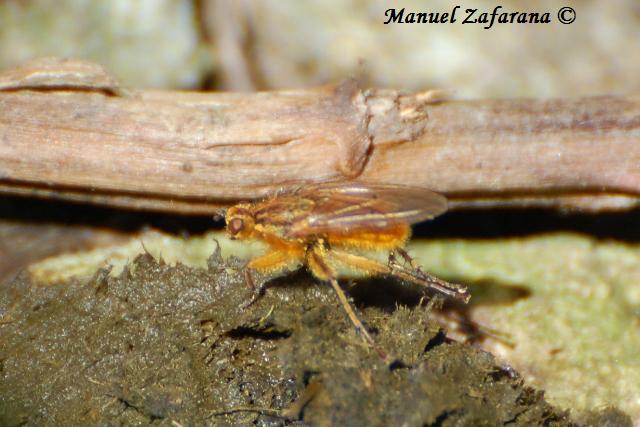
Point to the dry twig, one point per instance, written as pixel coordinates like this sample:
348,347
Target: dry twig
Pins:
68,131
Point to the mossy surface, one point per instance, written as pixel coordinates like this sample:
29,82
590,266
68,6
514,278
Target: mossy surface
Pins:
172,345
569,305
566,303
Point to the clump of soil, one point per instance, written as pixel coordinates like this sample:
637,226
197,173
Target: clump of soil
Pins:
162,345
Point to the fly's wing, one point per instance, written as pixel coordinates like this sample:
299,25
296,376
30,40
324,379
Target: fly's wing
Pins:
352,207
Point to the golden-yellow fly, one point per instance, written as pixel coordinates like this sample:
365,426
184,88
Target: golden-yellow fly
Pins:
330,228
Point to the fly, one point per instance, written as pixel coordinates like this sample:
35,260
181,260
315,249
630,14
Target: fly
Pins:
331,227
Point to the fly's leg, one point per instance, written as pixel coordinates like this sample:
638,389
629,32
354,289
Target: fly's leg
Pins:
319,267
461,290
408,259
392,263
394,268
348,307
255,293
412,262
270,263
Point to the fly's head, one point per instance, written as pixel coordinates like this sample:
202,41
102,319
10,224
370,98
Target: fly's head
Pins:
240,222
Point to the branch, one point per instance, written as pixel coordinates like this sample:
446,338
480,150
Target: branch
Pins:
68,131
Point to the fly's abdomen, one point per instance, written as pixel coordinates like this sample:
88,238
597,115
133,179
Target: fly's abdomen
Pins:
388,238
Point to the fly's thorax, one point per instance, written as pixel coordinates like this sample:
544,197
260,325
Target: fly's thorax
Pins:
276,236
240,221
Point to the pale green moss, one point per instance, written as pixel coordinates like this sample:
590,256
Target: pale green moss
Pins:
577,335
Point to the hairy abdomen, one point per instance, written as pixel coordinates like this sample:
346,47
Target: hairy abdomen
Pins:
385,239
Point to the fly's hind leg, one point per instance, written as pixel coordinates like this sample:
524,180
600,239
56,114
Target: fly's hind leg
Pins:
460,291
396,269
407,258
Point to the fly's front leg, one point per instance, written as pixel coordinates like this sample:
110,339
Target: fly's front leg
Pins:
269,263
255,294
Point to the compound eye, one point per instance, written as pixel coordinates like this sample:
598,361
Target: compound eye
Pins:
236,225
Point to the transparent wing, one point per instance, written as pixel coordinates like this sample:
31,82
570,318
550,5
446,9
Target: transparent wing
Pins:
352,207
